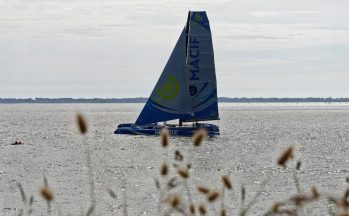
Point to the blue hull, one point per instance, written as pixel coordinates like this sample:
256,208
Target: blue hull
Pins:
174,130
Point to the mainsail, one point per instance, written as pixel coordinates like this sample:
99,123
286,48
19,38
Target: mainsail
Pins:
200,65
187,88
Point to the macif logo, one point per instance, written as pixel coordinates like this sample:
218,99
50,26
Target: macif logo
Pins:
198,17
194,54
170,89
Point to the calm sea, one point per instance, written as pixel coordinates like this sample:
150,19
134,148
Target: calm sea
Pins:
253,135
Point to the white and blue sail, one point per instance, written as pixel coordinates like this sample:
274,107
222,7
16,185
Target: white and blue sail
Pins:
201,73
187,88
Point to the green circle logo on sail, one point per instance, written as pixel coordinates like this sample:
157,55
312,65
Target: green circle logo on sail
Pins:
198,17
170,89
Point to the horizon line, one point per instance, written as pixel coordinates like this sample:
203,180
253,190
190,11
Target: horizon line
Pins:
222,97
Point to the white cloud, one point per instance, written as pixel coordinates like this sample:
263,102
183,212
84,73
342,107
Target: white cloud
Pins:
102,40
262,14
255,36
252,63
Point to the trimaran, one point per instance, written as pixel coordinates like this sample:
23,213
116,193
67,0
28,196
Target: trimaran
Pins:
186,89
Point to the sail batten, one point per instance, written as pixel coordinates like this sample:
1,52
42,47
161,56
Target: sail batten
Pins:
187,88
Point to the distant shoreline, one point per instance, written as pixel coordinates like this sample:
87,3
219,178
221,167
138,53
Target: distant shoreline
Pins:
143,100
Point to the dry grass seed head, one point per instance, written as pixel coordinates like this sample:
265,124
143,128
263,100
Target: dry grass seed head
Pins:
212,196
199,136
346,194
275,208
315,192
299,200
344,204
227,183
192,209
202,209
164,134
184,173
175,201
203,189
47,194
164,169
82,124
285,156
223,212
178,155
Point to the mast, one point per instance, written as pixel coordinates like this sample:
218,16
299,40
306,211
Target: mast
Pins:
186,89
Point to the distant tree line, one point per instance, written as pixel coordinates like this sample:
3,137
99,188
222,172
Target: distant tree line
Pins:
280,100
74,100
143,100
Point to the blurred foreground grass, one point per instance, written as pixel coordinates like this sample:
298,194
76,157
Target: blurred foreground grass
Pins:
177,198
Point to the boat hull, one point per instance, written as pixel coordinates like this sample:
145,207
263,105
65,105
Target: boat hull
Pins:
174,130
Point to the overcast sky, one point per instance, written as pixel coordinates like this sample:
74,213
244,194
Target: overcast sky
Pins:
110,48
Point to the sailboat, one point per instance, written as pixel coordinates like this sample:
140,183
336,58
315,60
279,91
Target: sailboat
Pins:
186,89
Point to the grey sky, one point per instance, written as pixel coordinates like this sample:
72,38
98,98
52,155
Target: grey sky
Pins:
109,48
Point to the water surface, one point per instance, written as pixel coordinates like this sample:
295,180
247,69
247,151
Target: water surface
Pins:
252,137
